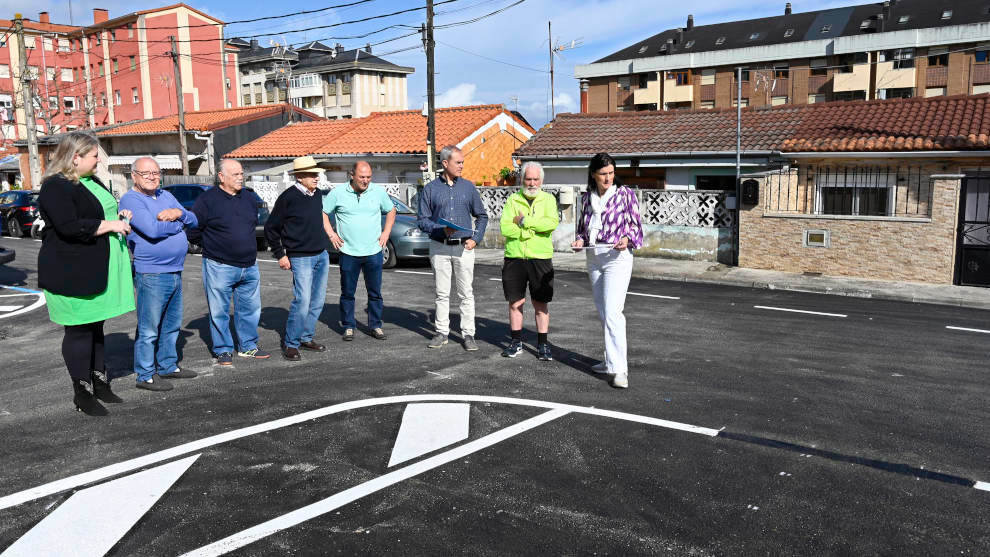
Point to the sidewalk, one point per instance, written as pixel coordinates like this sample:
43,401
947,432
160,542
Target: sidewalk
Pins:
716,273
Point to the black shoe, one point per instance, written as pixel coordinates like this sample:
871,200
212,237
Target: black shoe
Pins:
291,354
84,399
101,388
513,349
543,352
154,384
179,373
312,345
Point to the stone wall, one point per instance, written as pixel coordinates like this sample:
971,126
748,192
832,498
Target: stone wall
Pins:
920,249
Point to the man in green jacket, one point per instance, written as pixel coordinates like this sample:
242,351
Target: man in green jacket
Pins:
528,221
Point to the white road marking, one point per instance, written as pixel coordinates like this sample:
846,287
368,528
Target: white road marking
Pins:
338,500
429,427
968,329
415,272
496,279
10,308
654,296
15,295
802,311
18,310
119,468
983,486
68,531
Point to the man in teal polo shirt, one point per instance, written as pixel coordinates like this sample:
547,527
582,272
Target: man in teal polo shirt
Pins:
360,238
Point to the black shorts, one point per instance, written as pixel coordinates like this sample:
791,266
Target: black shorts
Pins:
538,273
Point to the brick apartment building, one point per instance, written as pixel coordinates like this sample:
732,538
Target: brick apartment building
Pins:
115,70
894,49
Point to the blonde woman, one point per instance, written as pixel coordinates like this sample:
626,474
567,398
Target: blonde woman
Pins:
83,266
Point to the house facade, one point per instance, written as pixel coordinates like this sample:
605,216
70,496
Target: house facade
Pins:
894,49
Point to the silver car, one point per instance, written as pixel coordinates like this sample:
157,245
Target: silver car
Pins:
405,242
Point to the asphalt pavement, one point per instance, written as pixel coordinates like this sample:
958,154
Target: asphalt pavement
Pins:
757,421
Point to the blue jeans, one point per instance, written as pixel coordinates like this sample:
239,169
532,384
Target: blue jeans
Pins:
309,289
350,267
159,313
222,282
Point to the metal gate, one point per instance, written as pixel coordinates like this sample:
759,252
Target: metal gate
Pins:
973,252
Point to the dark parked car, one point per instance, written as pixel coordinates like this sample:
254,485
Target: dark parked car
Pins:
18,210
186,195
406,241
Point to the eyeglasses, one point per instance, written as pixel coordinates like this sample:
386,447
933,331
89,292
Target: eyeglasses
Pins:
148,174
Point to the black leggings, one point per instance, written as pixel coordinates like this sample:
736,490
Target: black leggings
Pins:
82,349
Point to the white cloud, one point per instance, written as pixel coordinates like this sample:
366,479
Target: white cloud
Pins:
565,103
459,95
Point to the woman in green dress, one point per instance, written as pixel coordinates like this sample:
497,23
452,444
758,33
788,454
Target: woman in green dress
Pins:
83,265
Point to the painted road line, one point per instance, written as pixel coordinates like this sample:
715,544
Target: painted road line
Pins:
496,279
19,310
67,531
10,308
982,486
429,427
14,295
334,502
802,311
19,289
968,329
414,272
137,463
654,296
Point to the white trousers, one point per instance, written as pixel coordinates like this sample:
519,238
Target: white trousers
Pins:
610,272
453,263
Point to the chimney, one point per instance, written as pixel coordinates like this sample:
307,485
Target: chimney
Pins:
43,18
680,35
690,23
338,48
787,8
254,44
584,96
367,48
100,15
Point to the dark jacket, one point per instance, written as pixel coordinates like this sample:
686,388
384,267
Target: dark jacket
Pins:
73,261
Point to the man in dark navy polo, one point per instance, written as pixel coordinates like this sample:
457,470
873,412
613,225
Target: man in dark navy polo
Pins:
458,202
227,219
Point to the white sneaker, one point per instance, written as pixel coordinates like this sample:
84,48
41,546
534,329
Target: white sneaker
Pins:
600,367
621,381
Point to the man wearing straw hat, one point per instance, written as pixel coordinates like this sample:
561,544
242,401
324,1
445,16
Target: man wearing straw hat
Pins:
360,237
295,232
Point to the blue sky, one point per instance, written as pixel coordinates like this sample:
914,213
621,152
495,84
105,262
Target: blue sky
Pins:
467,70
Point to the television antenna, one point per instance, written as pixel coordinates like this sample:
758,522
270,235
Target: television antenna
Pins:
556,51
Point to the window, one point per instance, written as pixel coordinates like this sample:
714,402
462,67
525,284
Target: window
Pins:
247,99
113,35
6,101
623,83
707,105
100,66
645,79
903,19
4,70
855,191
69,103
849,96
50,74
719,41
643,49
903,58
130,30
826,28
64,45
781,71
708,76
689,44
938,56
847,61
116,97
788,33
133,65
816,98
33,72
53,103
819,67
745,102
46,43
897,93
947,14
99,39
307,80
982,56
745,75
103,99
681,77
981,89
686,105
116,68
28,41
754,36
936,92
777,101
134,95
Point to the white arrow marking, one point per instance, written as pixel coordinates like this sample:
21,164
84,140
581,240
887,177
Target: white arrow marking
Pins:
428,427
73,529
333,502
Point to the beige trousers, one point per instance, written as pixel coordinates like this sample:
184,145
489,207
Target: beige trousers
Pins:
453,264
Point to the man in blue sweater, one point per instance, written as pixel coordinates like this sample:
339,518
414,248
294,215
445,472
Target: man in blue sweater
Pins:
158,242
295,232
227,220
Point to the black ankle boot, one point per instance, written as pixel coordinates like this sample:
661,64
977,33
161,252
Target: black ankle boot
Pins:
101,388
85,401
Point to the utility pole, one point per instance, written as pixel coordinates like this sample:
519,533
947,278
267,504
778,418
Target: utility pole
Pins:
735,221
431,131
183,153
27,98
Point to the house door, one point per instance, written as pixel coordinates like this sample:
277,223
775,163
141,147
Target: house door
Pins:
973,252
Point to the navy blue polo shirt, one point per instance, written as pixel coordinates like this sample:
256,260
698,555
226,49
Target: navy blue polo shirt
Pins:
227,226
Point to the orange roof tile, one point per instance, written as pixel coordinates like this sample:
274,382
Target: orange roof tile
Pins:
203,120
382,132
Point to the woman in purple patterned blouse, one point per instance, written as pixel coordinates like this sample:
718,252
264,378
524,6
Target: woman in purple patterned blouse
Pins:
608,229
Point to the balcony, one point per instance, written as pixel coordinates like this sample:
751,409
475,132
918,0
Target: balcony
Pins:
307,85
890,78
649,94
856,80
674,93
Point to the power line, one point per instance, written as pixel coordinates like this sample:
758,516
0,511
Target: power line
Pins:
493,59
479,18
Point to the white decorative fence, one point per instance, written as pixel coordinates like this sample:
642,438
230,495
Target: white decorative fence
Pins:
705,209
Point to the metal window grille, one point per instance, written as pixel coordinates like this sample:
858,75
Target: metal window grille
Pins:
876,191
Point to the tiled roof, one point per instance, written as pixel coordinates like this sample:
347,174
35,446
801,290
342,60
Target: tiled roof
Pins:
918,124
382,132
204,120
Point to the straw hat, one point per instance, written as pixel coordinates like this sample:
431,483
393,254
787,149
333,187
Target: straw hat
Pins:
305,164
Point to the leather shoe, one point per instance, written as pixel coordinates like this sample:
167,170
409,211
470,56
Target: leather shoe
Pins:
291,354
312,345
